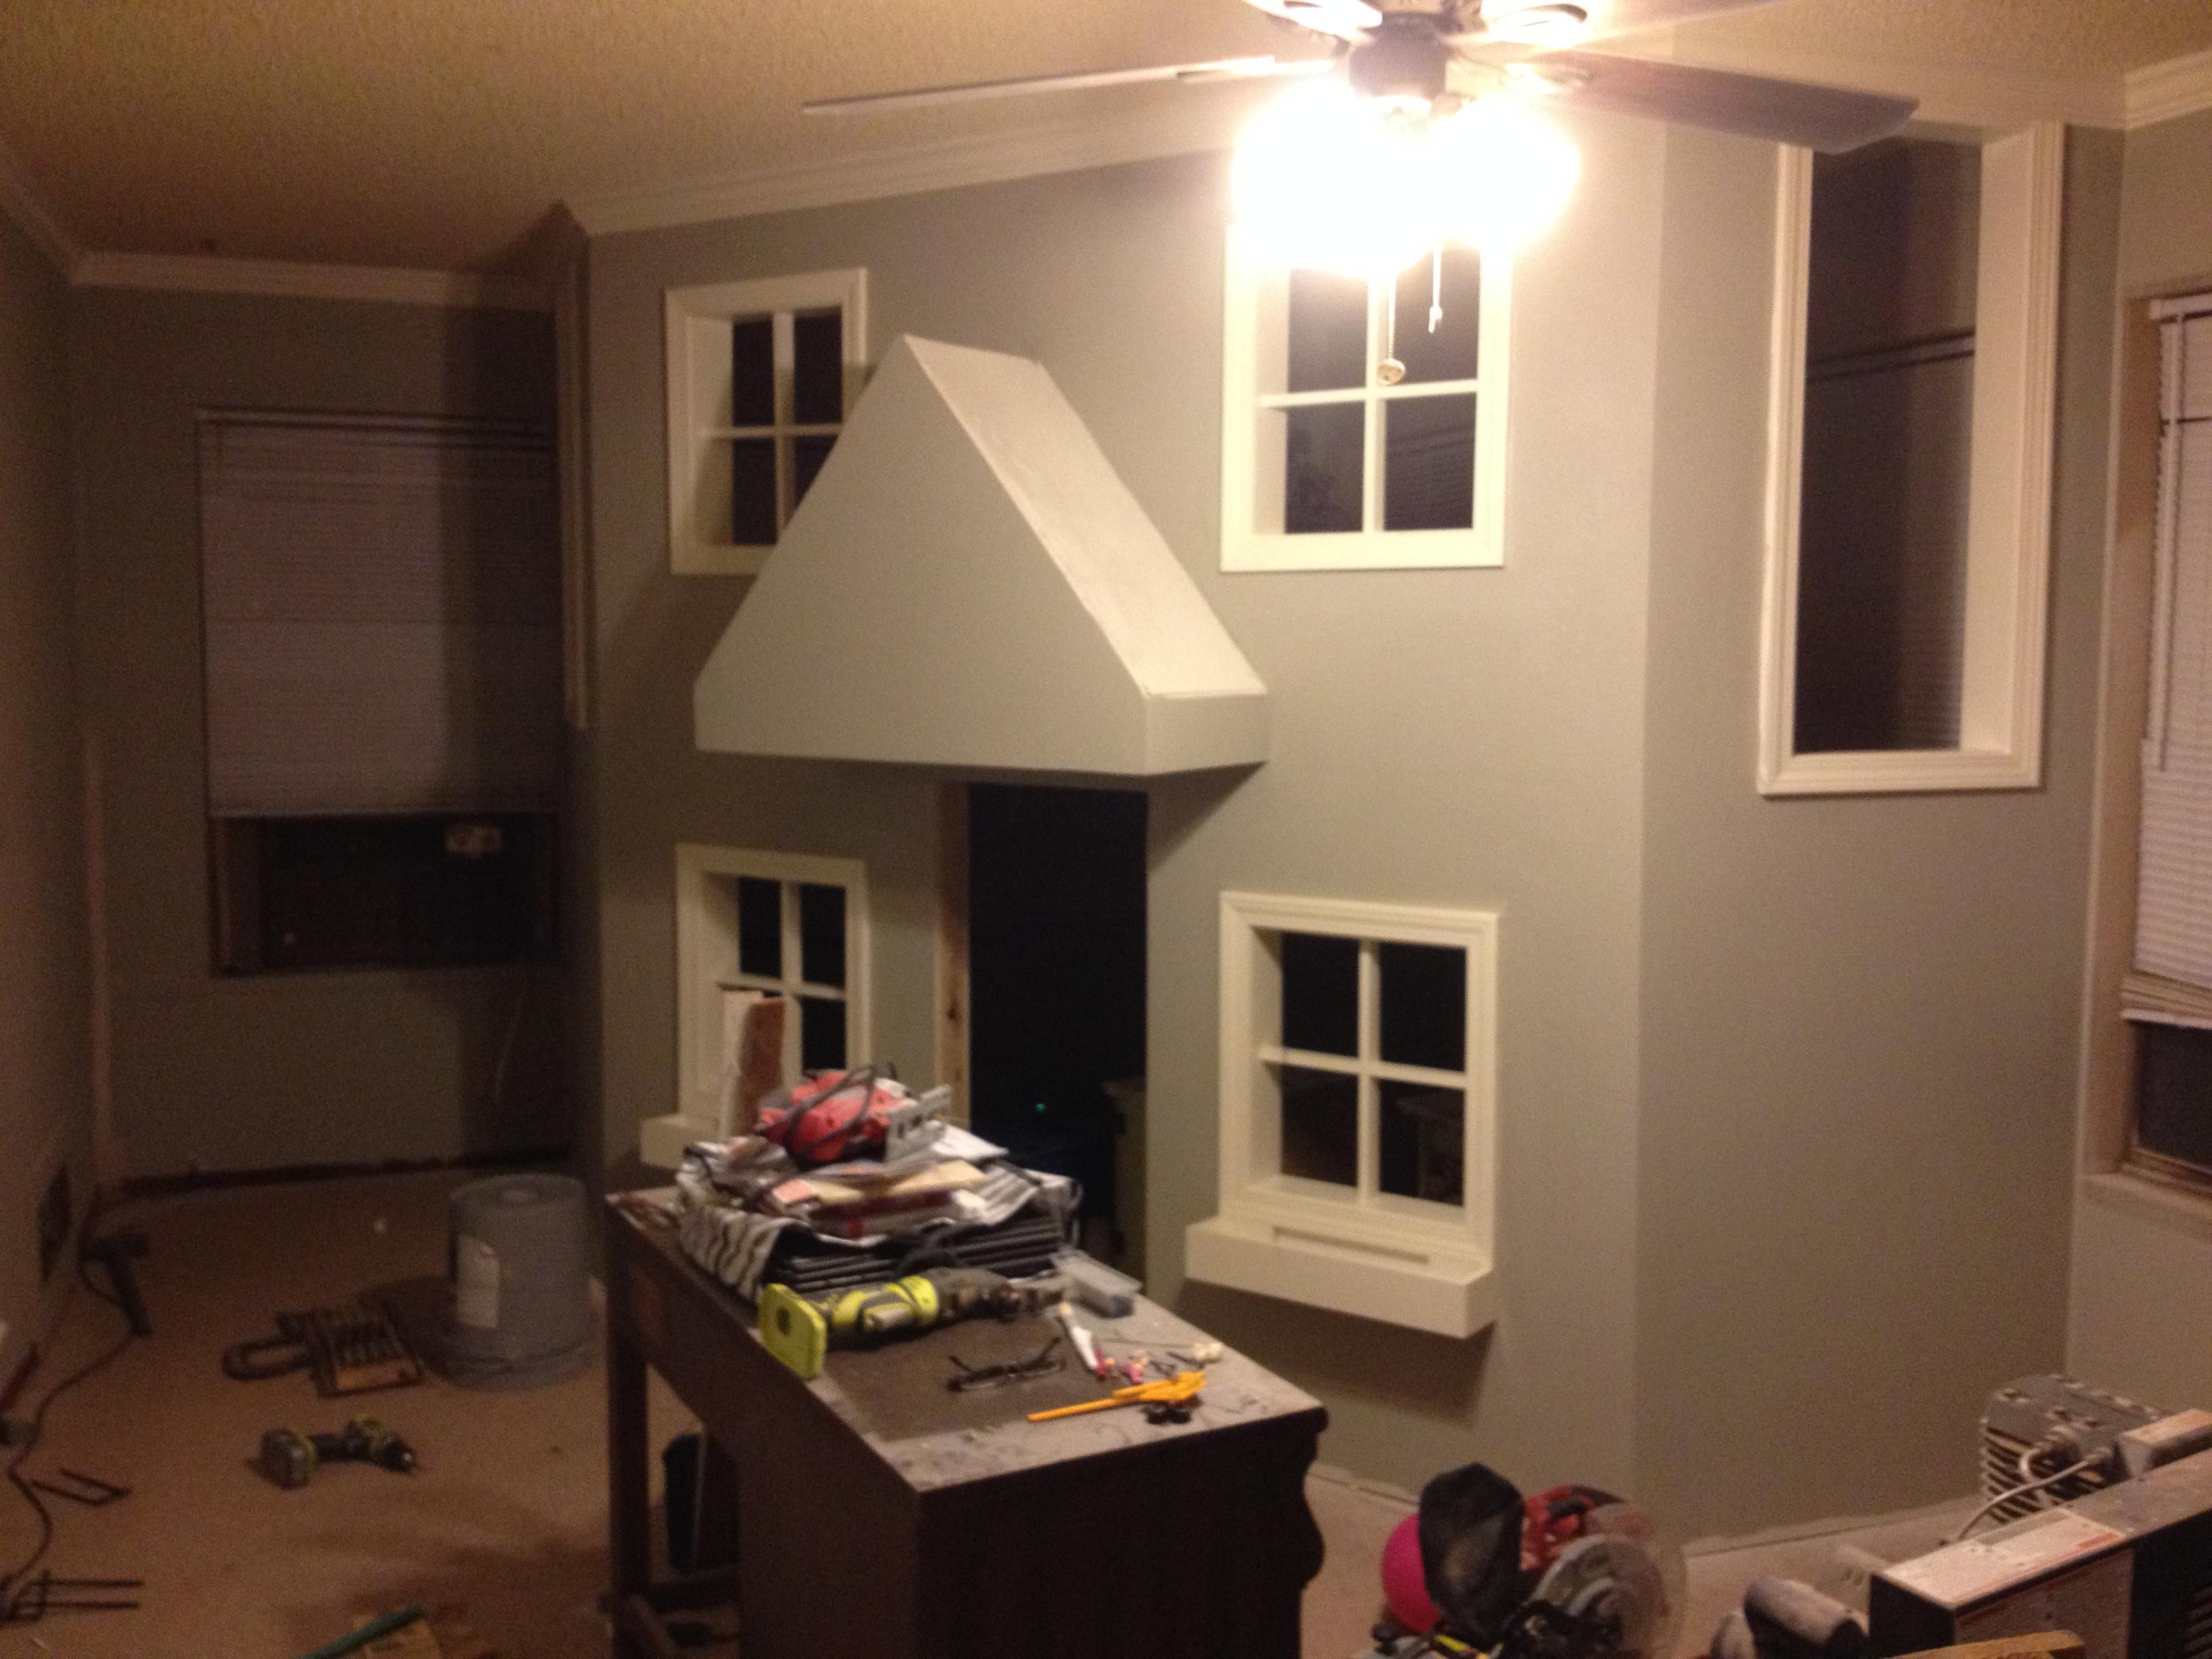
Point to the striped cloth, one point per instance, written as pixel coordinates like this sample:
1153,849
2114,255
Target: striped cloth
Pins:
718,1180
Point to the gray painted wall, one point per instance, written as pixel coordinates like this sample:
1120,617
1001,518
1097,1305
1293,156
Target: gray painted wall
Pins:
1859,1017
1464,738
1783,1086
2141,1288
218,1074
46,1061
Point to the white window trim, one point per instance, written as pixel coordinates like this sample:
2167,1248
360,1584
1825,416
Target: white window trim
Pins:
2008,510
706,954
691,552
1251,288
1404,1261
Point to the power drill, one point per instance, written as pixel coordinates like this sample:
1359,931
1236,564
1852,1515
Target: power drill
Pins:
799,1330
289,1458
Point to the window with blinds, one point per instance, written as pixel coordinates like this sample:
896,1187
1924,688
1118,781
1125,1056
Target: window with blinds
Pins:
2168,991
2173,981
382,617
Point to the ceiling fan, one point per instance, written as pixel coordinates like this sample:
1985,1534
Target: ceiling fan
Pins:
1415,52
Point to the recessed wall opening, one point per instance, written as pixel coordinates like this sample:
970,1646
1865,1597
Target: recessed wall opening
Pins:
1888,447
1056,989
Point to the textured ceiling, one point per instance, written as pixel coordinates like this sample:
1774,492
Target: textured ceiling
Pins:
439,133
2072,39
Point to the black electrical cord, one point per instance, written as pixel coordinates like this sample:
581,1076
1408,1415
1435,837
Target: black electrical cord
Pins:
12,1585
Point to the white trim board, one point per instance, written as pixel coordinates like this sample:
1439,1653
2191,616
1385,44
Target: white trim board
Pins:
298,280
2159,91
1197,124
21,201
2009,525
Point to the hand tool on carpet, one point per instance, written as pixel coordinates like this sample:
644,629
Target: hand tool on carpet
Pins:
1177,1390
352,1349
800,1330
290,1458
353,1641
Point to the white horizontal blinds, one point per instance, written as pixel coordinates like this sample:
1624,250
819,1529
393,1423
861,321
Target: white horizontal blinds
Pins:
2173,912
382,611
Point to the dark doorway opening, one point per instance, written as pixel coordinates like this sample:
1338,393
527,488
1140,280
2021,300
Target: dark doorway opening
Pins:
1056,988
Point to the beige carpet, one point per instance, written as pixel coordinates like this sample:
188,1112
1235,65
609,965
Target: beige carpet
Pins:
508,1515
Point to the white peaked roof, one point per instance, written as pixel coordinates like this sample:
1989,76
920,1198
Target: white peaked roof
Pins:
969,583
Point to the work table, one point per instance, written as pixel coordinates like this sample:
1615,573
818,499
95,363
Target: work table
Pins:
974,1531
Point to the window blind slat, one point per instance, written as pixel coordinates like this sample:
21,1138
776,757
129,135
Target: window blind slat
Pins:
382,616
2173,908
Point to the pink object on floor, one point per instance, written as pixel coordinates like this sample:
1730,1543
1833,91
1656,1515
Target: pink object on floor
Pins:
1404,1587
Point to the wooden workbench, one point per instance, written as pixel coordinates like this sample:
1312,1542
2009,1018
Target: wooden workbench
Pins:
880,1514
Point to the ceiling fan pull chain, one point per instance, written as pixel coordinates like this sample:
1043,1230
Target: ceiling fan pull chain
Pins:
1436,286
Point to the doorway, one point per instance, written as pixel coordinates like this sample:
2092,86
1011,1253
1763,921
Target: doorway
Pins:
1056,994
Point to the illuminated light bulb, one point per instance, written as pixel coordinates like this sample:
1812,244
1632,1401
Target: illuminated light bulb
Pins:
1510,171
1365,186
1325,178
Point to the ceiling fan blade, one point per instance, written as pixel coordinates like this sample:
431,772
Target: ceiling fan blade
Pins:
1219,69
1786,112
1345,19
1609,17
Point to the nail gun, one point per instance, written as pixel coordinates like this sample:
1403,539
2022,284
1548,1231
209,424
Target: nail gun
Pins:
799,1330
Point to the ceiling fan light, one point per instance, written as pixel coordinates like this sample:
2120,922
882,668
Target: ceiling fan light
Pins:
1325,180
1510,173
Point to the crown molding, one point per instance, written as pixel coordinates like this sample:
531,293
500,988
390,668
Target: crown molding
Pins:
1064,146
19,201
2179,86
285,279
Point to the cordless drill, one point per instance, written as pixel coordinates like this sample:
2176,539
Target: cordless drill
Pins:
290,1458
799,1330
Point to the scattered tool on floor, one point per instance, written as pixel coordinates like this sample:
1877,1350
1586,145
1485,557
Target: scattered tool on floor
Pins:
353,1348
1178,1390
79,1487
355,1640
800,1330
290,1458
45,1593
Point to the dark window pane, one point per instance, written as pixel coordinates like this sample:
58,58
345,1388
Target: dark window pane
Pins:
1328,332
2174,1094
752,492
821,1035
1424,1005
1323,468
1450,354
807,455
1421,1144
760,927
1321,1124
1320,994
752,372
1428,464
822,935
818,381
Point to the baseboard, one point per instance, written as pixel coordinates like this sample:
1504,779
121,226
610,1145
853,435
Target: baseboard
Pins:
197,1181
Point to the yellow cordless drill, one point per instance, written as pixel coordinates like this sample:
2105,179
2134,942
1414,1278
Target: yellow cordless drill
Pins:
799,1330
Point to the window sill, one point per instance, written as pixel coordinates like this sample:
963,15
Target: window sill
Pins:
2169,1202
1380,549
703,559
1452,1293
1896,772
